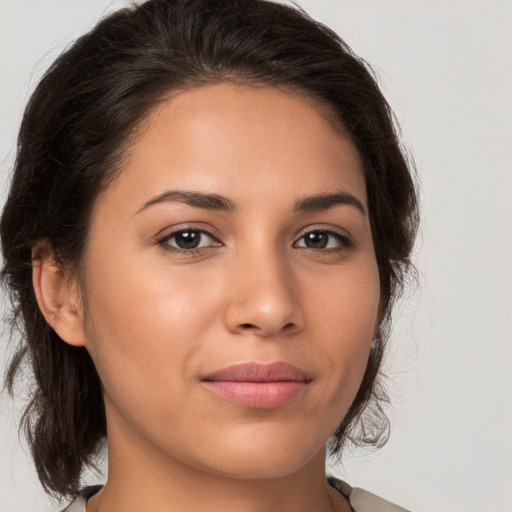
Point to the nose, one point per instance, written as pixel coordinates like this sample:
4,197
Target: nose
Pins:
264,299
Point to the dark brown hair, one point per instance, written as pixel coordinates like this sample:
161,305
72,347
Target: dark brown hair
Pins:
74,133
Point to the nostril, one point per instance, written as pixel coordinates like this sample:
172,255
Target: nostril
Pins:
288,327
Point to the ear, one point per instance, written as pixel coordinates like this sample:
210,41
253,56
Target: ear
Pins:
57,294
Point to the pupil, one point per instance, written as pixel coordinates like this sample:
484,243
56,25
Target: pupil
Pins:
188,239
316,240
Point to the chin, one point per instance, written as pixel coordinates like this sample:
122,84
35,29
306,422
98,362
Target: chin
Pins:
268,460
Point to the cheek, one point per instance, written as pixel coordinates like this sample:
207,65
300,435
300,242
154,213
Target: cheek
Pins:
144,325
346,316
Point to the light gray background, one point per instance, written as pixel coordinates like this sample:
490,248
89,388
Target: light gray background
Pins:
446,68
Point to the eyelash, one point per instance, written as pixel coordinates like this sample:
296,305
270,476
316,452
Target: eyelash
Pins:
344,241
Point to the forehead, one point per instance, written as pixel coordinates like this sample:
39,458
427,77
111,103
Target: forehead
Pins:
235,138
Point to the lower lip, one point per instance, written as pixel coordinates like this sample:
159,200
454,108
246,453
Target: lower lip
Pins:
258,395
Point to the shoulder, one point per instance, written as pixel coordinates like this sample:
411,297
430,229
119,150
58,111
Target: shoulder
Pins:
79,503
363,501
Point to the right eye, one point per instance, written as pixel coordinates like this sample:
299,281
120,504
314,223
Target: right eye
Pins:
189,240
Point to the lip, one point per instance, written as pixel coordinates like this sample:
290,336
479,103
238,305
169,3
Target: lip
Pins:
258,386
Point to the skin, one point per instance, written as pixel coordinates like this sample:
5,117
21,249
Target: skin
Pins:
156,320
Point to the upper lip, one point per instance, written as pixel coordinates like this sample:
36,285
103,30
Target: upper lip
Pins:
258,372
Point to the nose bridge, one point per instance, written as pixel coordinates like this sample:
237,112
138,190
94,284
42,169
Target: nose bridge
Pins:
265,295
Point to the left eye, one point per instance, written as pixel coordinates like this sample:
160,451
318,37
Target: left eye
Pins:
322,240
189,239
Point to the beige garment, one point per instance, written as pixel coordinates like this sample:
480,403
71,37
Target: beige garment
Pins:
363,501
360,500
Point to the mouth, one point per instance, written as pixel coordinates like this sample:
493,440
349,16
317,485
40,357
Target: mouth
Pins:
258,386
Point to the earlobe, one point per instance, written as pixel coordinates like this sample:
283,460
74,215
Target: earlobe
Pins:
57,296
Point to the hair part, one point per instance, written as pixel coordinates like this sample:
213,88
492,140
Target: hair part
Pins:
75,133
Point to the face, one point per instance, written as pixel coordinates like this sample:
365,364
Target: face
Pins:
231,284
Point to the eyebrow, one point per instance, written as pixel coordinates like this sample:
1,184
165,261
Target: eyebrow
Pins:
196,199
218,202
326,201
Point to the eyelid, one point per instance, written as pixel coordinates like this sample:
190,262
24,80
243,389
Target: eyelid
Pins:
190,226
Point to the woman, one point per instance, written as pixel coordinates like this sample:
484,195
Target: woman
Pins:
209,220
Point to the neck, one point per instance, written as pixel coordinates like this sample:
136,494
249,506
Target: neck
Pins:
142,478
